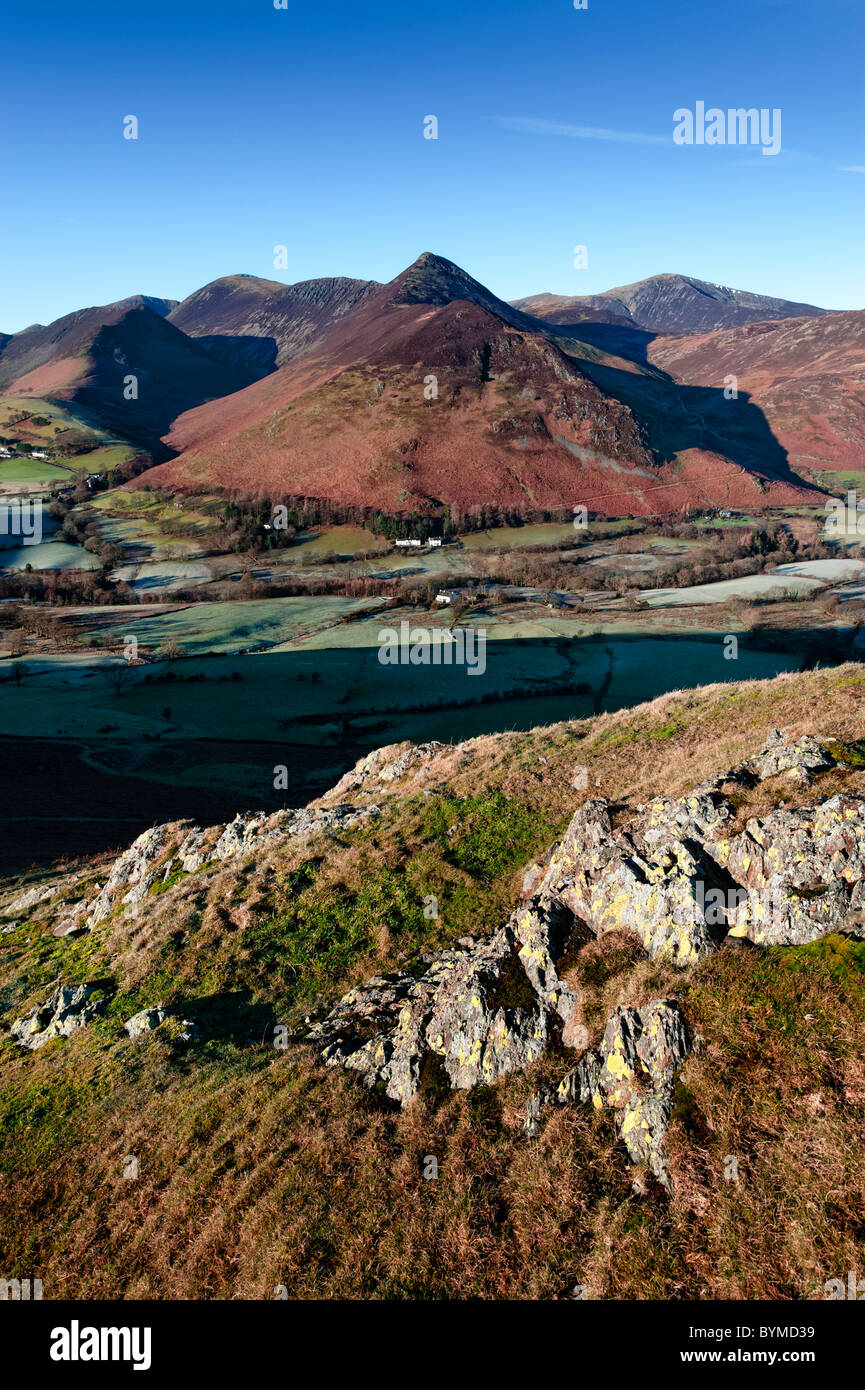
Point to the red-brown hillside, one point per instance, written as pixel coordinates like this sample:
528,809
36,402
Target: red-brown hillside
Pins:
86,357
807,375
524,418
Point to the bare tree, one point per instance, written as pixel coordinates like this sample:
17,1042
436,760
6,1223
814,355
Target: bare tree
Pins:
170,650
119,677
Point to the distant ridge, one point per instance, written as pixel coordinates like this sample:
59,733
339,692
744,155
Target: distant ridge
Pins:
284,319
668,304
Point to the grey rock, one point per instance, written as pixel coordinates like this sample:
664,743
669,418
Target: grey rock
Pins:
249,833
133,871
701,816
192,853
70,926
178,1030
542,928
473,1013
145,1021
386,764
602,876
800,874
417,753
632,1072
66,1009
28,898
799,760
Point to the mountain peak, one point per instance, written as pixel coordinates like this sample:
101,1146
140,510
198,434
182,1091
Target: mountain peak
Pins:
669,303
433,279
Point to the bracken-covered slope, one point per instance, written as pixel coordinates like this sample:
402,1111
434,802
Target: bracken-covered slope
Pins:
668,304
807,376
86,357
456,1030
54,350
433,392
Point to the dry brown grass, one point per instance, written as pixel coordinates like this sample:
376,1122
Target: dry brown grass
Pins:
260,1167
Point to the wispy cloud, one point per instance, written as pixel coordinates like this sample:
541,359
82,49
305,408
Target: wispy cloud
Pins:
853,168
580,132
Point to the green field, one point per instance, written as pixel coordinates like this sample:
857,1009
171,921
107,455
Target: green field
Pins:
14,472
103,460
164,575
237,626
337,540
109,452
840,481
50,555
799,578
514,537
150,510
326,696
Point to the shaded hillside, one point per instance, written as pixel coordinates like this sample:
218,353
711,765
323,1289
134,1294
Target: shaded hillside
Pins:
807,376
58,346
87,357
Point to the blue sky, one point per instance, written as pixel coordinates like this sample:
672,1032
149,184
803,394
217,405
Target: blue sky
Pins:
304,127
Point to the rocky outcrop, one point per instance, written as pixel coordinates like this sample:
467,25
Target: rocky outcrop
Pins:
418,753
678,880
193,854
181,1030
613,880
479,1010
543,931
66,1009
799,760
145,1021
632,1072
132,870
29,898
700,816
799,874
674,877
386,764
149,858
249,833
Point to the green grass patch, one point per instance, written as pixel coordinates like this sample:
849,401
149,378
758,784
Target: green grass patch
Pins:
486,835
31,471
325,929
852,753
